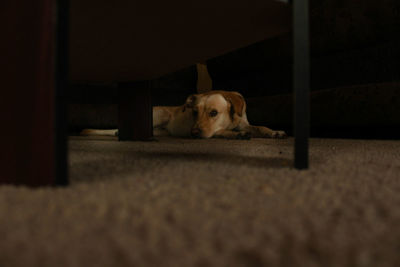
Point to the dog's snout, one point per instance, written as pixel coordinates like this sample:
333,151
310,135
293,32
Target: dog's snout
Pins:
196,132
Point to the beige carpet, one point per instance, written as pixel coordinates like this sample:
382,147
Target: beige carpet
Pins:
182,202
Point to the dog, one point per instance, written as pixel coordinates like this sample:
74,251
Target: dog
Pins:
214,114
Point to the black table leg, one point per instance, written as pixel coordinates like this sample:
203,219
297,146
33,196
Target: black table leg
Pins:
135,112
61,86
301,81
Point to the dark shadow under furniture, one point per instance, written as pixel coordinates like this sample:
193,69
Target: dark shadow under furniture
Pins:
203,39
40,53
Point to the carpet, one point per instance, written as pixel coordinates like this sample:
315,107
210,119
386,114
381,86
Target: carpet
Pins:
185,202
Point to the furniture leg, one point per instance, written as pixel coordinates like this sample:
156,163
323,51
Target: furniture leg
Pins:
135,112
301,82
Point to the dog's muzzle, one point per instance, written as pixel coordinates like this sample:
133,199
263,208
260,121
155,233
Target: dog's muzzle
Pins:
196,133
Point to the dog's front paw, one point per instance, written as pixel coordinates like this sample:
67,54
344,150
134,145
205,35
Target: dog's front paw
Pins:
243,135
279,134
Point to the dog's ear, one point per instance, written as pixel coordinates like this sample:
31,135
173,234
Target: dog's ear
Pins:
190,102
237,103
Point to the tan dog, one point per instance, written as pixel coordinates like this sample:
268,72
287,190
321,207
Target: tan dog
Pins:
220,114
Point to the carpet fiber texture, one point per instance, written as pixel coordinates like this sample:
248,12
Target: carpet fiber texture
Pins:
183,202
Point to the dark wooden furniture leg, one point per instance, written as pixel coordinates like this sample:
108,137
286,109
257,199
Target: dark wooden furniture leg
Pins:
61,86
30,153
135,112
301,82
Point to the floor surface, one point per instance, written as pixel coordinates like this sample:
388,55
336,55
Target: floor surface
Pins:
184,202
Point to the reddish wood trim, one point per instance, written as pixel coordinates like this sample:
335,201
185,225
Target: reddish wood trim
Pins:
27,95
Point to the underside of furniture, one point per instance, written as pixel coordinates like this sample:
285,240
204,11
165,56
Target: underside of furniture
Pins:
123,42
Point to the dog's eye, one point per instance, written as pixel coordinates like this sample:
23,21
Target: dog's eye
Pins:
213,113
195,113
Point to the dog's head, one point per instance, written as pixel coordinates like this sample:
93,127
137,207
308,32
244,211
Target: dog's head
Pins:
214,111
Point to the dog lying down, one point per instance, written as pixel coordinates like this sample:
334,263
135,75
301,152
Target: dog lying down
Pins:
215,114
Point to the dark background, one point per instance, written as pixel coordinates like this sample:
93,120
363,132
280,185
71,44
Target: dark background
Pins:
355,76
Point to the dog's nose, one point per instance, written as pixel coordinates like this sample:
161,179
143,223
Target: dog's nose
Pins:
196,132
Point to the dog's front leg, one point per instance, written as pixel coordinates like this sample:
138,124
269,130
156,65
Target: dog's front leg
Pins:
263,132
161,116
228,134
